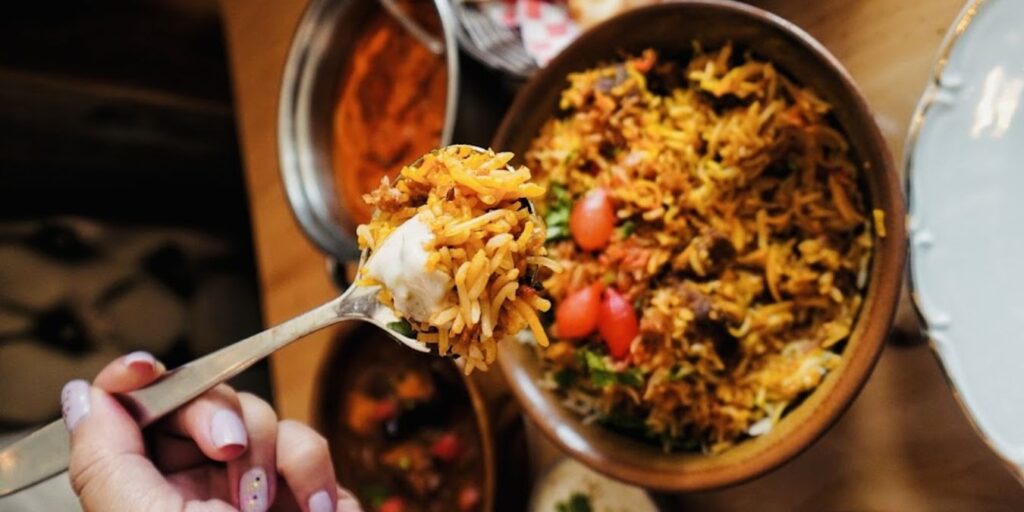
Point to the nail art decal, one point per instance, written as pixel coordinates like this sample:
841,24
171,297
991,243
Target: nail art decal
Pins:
74,401
253,491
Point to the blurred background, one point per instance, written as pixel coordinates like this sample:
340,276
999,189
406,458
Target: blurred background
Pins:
124,223
135,216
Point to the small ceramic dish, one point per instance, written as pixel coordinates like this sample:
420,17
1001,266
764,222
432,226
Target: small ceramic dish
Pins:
671,28
568,484
965,153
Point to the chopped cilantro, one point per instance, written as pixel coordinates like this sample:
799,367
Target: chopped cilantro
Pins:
632,377
557,216
609,278
560,193
627,228
402,327
577,502
558,225
564,378
680,372
601,376
591,360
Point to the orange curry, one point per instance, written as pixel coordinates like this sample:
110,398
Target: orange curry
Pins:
390,107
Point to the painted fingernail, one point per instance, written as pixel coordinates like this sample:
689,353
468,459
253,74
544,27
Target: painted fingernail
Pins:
140,359
349,505
253,491
321,502
74,401
226,429
347,502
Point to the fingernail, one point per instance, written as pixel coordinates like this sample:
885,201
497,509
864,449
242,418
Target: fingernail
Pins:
321,502
253,491
140,359
349,505
347,502
74,401
226,429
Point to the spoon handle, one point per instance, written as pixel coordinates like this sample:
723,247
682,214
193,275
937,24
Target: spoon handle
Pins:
44,453
415,30
188,381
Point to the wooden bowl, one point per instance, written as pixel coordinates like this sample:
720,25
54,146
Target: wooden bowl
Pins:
671,28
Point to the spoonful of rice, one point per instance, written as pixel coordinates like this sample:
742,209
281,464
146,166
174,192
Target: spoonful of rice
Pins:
448,267
453,247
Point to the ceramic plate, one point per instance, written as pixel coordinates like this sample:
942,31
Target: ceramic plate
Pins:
965,178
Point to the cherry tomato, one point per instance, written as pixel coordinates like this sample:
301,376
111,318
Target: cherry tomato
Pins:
447,447
617,323
576,315
592,221
392,504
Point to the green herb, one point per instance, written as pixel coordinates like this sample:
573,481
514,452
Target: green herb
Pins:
565,378
600,375
376,495
602,378
680,372
569,157
577,502
627,228
609,278
402,327
560,193
632,377
558,229
590,359
557,216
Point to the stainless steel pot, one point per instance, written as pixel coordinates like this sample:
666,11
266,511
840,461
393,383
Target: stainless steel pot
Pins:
321,46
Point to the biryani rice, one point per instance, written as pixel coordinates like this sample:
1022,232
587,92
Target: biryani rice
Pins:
743,242
485,241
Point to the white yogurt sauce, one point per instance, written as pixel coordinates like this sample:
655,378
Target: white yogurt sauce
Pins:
569,477
400,265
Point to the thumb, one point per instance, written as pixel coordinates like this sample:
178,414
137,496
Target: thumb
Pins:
108,469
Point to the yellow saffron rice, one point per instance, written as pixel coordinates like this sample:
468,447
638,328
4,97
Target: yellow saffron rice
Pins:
485,241
742,239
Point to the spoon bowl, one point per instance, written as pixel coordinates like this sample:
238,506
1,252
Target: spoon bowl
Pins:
531,270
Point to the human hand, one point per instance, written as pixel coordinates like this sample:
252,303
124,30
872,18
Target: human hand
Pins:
222,451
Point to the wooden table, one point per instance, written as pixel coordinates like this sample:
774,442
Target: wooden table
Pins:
904,444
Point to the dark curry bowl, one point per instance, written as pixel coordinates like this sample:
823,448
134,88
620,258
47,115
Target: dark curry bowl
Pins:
405,424
671,28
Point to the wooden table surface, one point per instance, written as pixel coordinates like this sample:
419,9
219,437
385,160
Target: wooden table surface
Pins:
904,444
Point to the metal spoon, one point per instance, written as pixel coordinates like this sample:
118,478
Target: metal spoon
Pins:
414,29
44,453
